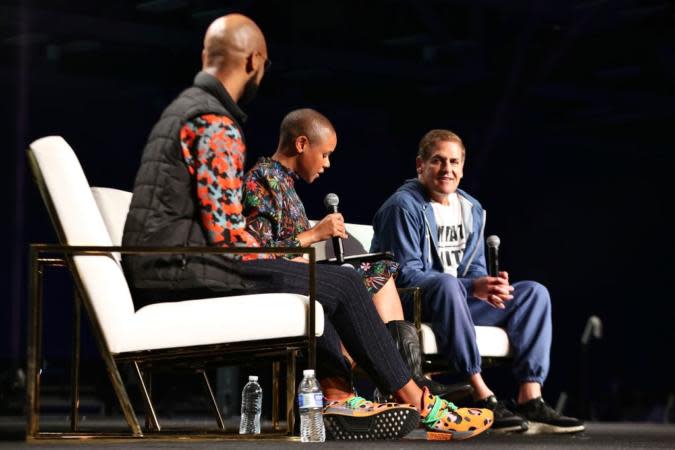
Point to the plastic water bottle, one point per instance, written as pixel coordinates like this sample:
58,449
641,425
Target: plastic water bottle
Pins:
251,405
310,404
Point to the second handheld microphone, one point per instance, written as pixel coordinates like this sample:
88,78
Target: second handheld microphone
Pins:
493,255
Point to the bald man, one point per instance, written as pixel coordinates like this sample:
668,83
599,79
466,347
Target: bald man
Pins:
188,192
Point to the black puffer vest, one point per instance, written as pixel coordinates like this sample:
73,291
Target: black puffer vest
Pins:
164,211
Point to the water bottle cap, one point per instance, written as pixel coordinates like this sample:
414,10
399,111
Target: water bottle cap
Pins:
308,372
253,378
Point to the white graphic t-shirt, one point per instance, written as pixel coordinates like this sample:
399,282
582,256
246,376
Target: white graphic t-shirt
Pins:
451,233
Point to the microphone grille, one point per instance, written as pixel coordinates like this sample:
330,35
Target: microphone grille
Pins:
331,200
493,241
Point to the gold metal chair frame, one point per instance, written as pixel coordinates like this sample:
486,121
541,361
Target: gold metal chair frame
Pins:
274,350
194,358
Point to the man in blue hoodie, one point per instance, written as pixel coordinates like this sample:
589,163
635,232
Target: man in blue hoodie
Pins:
436,232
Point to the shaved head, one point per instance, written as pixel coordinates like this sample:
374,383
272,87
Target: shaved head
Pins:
229,40
307,139
304,122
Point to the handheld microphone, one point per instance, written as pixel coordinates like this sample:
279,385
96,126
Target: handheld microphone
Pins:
493,255
331,203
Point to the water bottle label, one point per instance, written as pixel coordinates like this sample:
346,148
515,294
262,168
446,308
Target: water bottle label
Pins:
311,400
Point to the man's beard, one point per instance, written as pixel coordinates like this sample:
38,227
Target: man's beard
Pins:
250,89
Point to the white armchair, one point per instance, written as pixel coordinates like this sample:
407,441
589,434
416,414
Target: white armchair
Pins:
194,333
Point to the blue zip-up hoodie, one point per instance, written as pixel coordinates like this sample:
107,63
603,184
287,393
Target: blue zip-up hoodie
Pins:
405,225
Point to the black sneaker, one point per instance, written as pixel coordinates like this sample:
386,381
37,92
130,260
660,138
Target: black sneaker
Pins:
504,420
544,419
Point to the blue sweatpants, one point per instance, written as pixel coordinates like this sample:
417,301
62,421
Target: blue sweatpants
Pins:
526,319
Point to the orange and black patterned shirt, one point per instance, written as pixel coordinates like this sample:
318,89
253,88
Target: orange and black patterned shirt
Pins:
214,151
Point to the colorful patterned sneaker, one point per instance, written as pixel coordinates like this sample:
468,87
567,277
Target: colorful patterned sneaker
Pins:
358,419
544,419
444,421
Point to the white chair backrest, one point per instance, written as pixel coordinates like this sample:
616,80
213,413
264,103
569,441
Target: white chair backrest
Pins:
113,205
362,233
78,221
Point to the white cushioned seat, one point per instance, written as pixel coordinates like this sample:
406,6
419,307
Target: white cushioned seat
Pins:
492,341
217,320
97,218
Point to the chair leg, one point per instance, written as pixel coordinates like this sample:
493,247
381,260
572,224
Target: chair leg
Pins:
214,403
75,367
120,391
150,410
110,363
148,386
290,391
276,369
34,355
34,350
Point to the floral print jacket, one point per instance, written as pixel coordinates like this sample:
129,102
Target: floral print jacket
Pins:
275,216
274,213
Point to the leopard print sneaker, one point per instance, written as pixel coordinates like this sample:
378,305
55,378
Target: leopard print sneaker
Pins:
359,419
445,421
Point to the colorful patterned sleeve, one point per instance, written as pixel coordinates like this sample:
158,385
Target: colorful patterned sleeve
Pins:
214,152
263,212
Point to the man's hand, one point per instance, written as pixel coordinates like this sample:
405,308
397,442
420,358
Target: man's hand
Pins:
494,290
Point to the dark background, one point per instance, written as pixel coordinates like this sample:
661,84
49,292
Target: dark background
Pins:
566,109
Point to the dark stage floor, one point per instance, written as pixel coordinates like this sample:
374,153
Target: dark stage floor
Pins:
598,435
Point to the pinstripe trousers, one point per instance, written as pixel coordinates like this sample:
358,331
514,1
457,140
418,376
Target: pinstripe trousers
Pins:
349,316
349,313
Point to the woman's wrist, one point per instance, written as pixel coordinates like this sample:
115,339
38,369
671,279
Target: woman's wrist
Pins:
306,238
